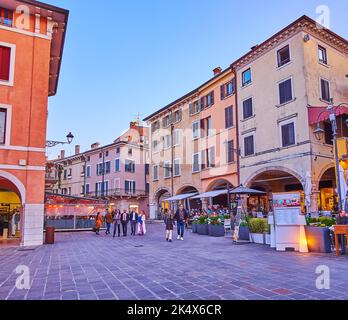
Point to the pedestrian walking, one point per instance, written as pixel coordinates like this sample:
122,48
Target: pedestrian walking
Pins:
133,220
108,220
117,223
98,223
143,215
169,221
181,217
140,225
124,221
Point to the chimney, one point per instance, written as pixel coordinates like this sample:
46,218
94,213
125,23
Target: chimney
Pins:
77,149
217,71
62,154
95,145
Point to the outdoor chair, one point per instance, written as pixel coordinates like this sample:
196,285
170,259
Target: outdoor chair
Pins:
227,225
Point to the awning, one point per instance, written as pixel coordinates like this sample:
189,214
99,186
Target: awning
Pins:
314,112
244,190
181,197
210,194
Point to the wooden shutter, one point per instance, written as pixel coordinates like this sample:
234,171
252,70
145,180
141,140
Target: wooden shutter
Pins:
191,109
201,104
222,88
212,97
5,56
203,159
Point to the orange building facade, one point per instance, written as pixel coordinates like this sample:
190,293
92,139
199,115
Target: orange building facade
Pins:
193,147
31,45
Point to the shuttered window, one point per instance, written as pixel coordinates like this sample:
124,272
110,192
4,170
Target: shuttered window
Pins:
5,57
249,146
229,117
285,91
2,126
247,108
288,135
325,90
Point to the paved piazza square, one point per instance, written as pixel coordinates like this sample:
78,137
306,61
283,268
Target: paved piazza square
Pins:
83,266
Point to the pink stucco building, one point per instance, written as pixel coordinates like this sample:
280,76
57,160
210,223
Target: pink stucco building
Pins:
117,172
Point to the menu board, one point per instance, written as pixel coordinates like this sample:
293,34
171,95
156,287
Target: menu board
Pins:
287,216
287,208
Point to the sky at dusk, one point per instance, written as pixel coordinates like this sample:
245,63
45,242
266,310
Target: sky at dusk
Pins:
126,57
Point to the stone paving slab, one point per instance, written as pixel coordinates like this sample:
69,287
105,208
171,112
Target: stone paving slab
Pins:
83,266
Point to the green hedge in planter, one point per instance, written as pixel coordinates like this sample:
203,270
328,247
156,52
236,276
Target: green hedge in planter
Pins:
321,222
258,225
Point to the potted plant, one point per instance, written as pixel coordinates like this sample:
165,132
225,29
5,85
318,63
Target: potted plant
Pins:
216,227
244,231
202,226
194,226
257,230
318,234
267,234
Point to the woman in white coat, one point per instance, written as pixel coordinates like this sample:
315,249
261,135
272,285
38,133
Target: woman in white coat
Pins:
144,221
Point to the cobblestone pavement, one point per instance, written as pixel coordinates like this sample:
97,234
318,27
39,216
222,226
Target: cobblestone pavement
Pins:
84,266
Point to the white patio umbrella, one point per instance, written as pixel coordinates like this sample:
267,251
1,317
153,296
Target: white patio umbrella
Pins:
308,189
344,187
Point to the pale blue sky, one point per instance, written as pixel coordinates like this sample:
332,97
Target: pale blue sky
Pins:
126,57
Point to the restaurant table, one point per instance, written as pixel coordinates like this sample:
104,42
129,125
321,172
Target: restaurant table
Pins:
340,230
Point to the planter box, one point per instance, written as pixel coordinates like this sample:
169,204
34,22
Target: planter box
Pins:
244,233
318,239
194,227
258,238
216,230
268,239
202,229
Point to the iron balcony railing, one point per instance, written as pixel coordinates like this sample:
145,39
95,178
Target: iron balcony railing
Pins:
117,193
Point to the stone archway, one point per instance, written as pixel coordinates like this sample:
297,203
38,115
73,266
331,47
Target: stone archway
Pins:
159,201
252,177
16,182
272,180
12,199
189,203
327,195
223,199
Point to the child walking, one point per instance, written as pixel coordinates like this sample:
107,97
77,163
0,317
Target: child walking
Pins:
169,225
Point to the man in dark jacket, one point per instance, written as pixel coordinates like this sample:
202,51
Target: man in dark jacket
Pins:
181,217
133,218
124,221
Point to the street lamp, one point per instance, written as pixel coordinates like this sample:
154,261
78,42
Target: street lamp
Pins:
319,133
51,143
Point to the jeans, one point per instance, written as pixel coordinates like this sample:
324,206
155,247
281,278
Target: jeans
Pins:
108,226
181,228
117,227
133,227
124,228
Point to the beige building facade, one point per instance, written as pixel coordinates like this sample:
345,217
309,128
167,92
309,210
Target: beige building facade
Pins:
279,84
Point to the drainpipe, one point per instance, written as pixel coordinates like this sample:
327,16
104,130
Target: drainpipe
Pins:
237,126
84,159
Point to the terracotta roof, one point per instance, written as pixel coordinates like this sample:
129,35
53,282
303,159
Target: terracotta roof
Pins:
303,19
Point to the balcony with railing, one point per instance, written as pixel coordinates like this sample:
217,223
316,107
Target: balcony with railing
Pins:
114,193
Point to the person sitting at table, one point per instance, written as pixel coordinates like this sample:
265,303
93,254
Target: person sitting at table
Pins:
342,219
